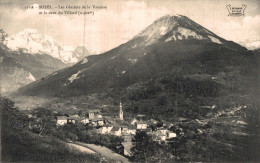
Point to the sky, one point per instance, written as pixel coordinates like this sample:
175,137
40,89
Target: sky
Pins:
123,19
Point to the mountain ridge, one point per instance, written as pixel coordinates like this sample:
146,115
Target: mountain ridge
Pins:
139,59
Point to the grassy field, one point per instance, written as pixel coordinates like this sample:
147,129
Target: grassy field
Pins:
28,147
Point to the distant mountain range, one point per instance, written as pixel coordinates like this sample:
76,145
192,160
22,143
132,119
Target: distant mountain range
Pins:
173,45
29,55
32,42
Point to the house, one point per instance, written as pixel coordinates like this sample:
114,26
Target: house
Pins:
161,136
96,122
75,116
171,134
162,130
71,120
149,131
93,114
100,122
61,120
124,129
84,120
169,125
134,121
152,122
106,129
141,126
131,130
99,116
116,130
93,123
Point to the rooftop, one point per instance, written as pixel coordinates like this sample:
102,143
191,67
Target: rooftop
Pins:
115,128
62,118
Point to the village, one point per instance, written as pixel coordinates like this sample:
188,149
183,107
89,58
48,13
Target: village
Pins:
118,127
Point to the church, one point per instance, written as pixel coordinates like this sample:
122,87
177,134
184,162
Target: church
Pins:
121,114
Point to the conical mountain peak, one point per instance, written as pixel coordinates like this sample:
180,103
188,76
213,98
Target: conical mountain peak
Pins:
176,27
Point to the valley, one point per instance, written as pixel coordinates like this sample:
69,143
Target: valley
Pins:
192,96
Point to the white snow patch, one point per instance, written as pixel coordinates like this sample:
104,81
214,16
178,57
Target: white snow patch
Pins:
134,46
179,37
185,33
30,77
75,76
189,33
170,38
133,60
85,60
123,72
214,39
154,32
55,73
163,30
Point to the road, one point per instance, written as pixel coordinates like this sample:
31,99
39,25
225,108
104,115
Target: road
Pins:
103,151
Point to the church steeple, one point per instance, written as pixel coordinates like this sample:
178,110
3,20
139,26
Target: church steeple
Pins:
121,114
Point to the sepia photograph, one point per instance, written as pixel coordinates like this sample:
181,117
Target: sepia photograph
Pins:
130,81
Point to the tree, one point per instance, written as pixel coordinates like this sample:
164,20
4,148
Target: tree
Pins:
140,142
80,113
146,150
11,118
44,120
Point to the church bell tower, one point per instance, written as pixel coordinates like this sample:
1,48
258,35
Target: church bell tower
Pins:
121,114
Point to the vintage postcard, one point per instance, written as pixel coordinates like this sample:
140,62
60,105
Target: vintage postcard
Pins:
130,80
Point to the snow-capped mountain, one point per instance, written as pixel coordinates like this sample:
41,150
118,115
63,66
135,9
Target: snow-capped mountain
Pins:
251,44
19,68
33,42
177,28
171,44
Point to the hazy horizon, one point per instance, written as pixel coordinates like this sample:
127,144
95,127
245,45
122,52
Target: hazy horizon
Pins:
122,20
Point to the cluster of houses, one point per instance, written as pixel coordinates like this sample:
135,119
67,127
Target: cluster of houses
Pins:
94,118
104,126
